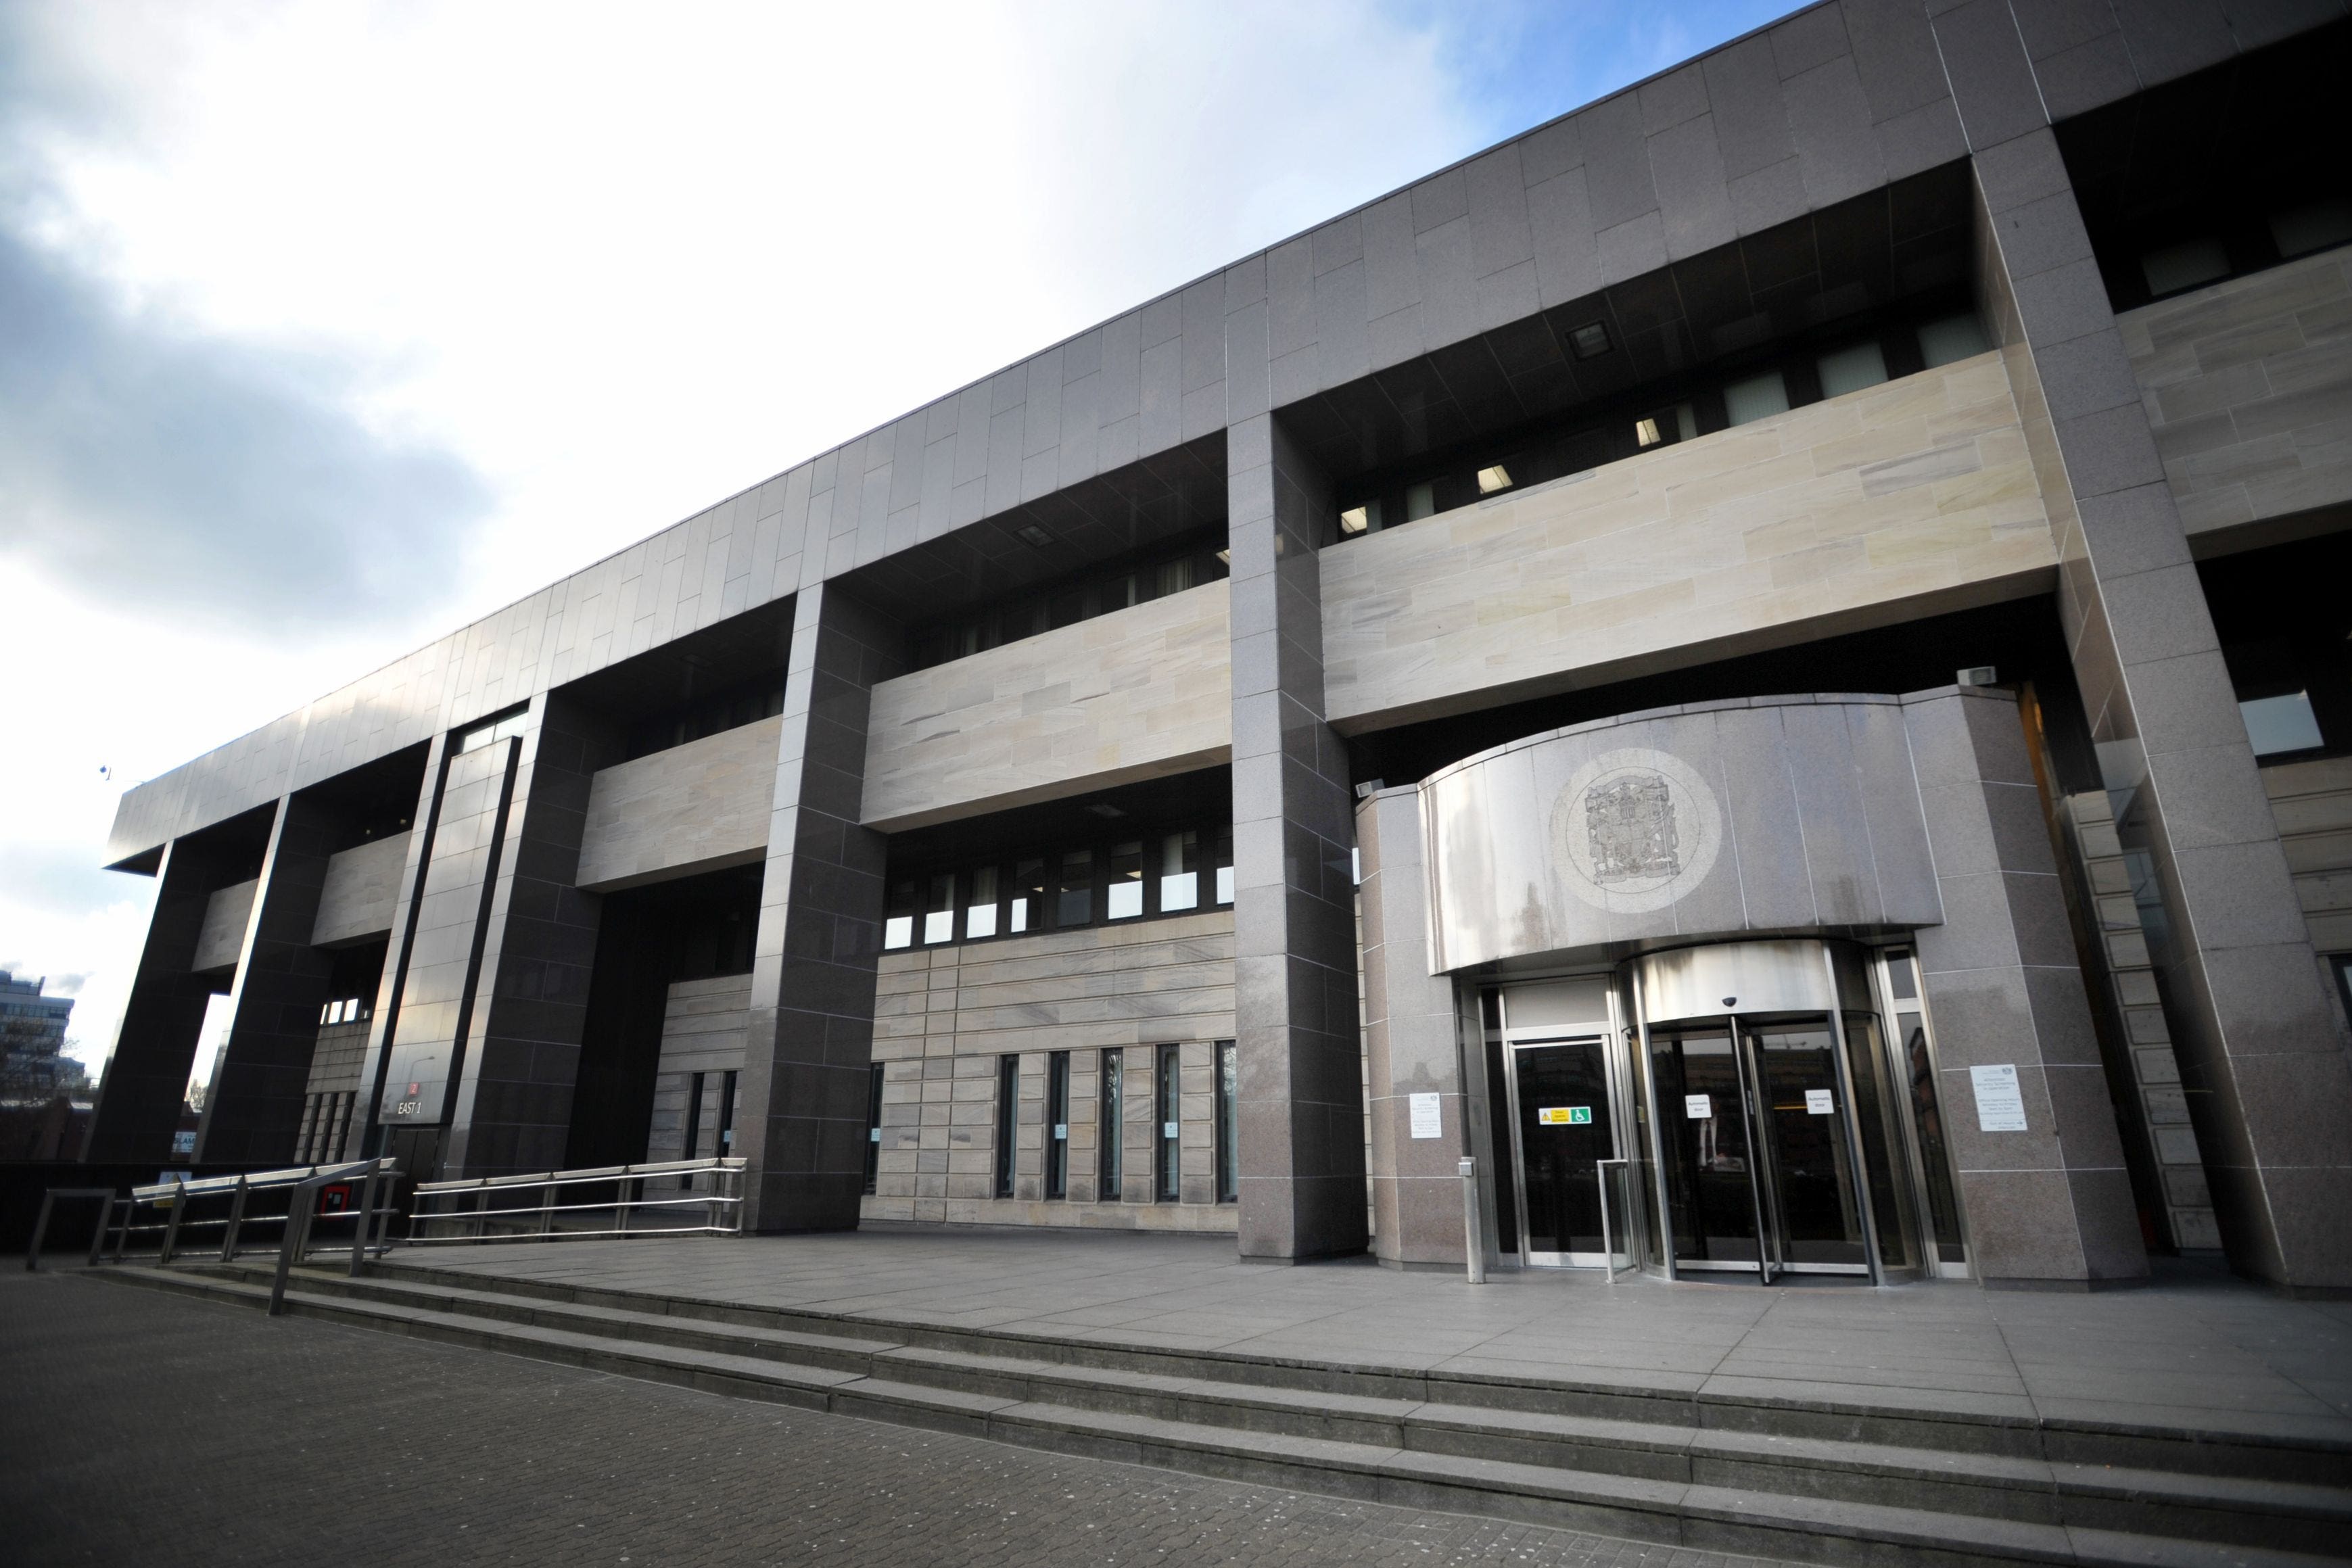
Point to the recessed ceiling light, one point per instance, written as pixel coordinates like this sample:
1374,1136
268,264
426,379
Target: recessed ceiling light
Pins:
1589,340
1493,479
1355,520
1105,809
1030,533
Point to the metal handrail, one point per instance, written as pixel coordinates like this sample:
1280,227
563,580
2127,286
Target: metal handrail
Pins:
301,1214
721,1204
171,1202
48,1202
1601,1181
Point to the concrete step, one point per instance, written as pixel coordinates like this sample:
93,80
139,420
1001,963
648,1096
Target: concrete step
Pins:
1818,1499
1892,1419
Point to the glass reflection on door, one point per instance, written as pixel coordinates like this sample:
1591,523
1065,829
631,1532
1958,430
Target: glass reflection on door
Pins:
1808,1169
1560,1096
1710,1186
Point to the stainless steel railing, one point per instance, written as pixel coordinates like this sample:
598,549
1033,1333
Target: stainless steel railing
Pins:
171,1212
584,1204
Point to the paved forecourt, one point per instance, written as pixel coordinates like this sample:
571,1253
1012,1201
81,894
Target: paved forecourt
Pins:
137,1426
2196,1351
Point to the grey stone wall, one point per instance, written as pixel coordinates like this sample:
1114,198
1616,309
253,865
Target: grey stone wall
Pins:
362,892
2052,1204
2248,388
695,808
226,914
703,1025
946,1016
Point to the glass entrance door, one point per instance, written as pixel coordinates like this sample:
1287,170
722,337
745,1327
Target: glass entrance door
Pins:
1759,1148
1562,1124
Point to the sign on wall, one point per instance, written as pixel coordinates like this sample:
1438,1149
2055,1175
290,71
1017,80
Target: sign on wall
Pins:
2000,1105
1424,1116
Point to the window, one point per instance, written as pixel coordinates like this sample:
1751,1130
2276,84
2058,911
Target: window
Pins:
1110,1112
1125,900
1493,479
1419,501
2312,226
500,729
1179,872
1758,397
1028,894
1167,1101
2185,264
1228,1184
2280,724
1224,865
898,919
980,909
1008,1108
1851,369
873,1129
1952,340
938,910
726,1114
1075,902
1057,1125
1362,520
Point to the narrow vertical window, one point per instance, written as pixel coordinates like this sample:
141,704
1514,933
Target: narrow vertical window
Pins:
938,909
1057,1125
980,908
1077,905
899,922
1229,1177
1008,1116
1168,1162
1026,907
689,1146
1179,872
726,1144
1125,900
1225,864
874,1129
1109,1117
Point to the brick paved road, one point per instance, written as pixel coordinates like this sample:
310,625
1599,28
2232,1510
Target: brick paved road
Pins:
140,1429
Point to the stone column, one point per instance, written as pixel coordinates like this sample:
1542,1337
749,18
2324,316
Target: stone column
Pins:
1301,1110
2268,1084
531,1006
147,1078
1409,1038
2050,1204
802,1121
254,1106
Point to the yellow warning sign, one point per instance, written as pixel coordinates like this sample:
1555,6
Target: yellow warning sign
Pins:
1563,1115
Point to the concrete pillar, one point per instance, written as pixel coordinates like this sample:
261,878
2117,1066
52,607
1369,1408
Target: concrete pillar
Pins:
2050,1206
1412,1045
802,1116
254,1106
538,951
147,1079
369,1135
2265,1071
1301,1110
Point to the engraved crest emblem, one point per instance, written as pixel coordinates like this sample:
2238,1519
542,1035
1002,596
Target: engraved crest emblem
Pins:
1634,830
1630,823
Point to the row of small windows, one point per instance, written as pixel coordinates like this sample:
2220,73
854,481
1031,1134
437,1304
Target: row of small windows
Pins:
1798,379
1063,888
1067,604
2179,265
1166,1140
504,728
346,1010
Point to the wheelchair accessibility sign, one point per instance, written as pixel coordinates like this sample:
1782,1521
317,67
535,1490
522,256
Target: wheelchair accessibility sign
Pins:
1563,1115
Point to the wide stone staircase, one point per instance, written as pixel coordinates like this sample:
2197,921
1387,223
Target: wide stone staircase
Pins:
1810,1480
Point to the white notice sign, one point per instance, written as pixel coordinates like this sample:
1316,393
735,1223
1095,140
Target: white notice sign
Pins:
2001,1108
1424,1116
1819,1104
1697,1107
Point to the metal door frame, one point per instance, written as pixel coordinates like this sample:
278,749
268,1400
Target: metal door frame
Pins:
1606,1034
1915,1155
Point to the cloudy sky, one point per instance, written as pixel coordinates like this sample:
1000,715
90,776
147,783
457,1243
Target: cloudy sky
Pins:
325,329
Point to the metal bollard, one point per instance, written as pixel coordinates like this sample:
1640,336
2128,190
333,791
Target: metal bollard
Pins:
1472,1233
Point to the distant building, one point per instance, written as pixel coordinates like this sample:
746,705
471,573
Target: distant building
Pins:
43,1093
33,1067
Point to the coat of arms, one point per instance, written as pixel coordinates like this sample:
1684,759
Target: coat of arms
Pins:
1629,824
